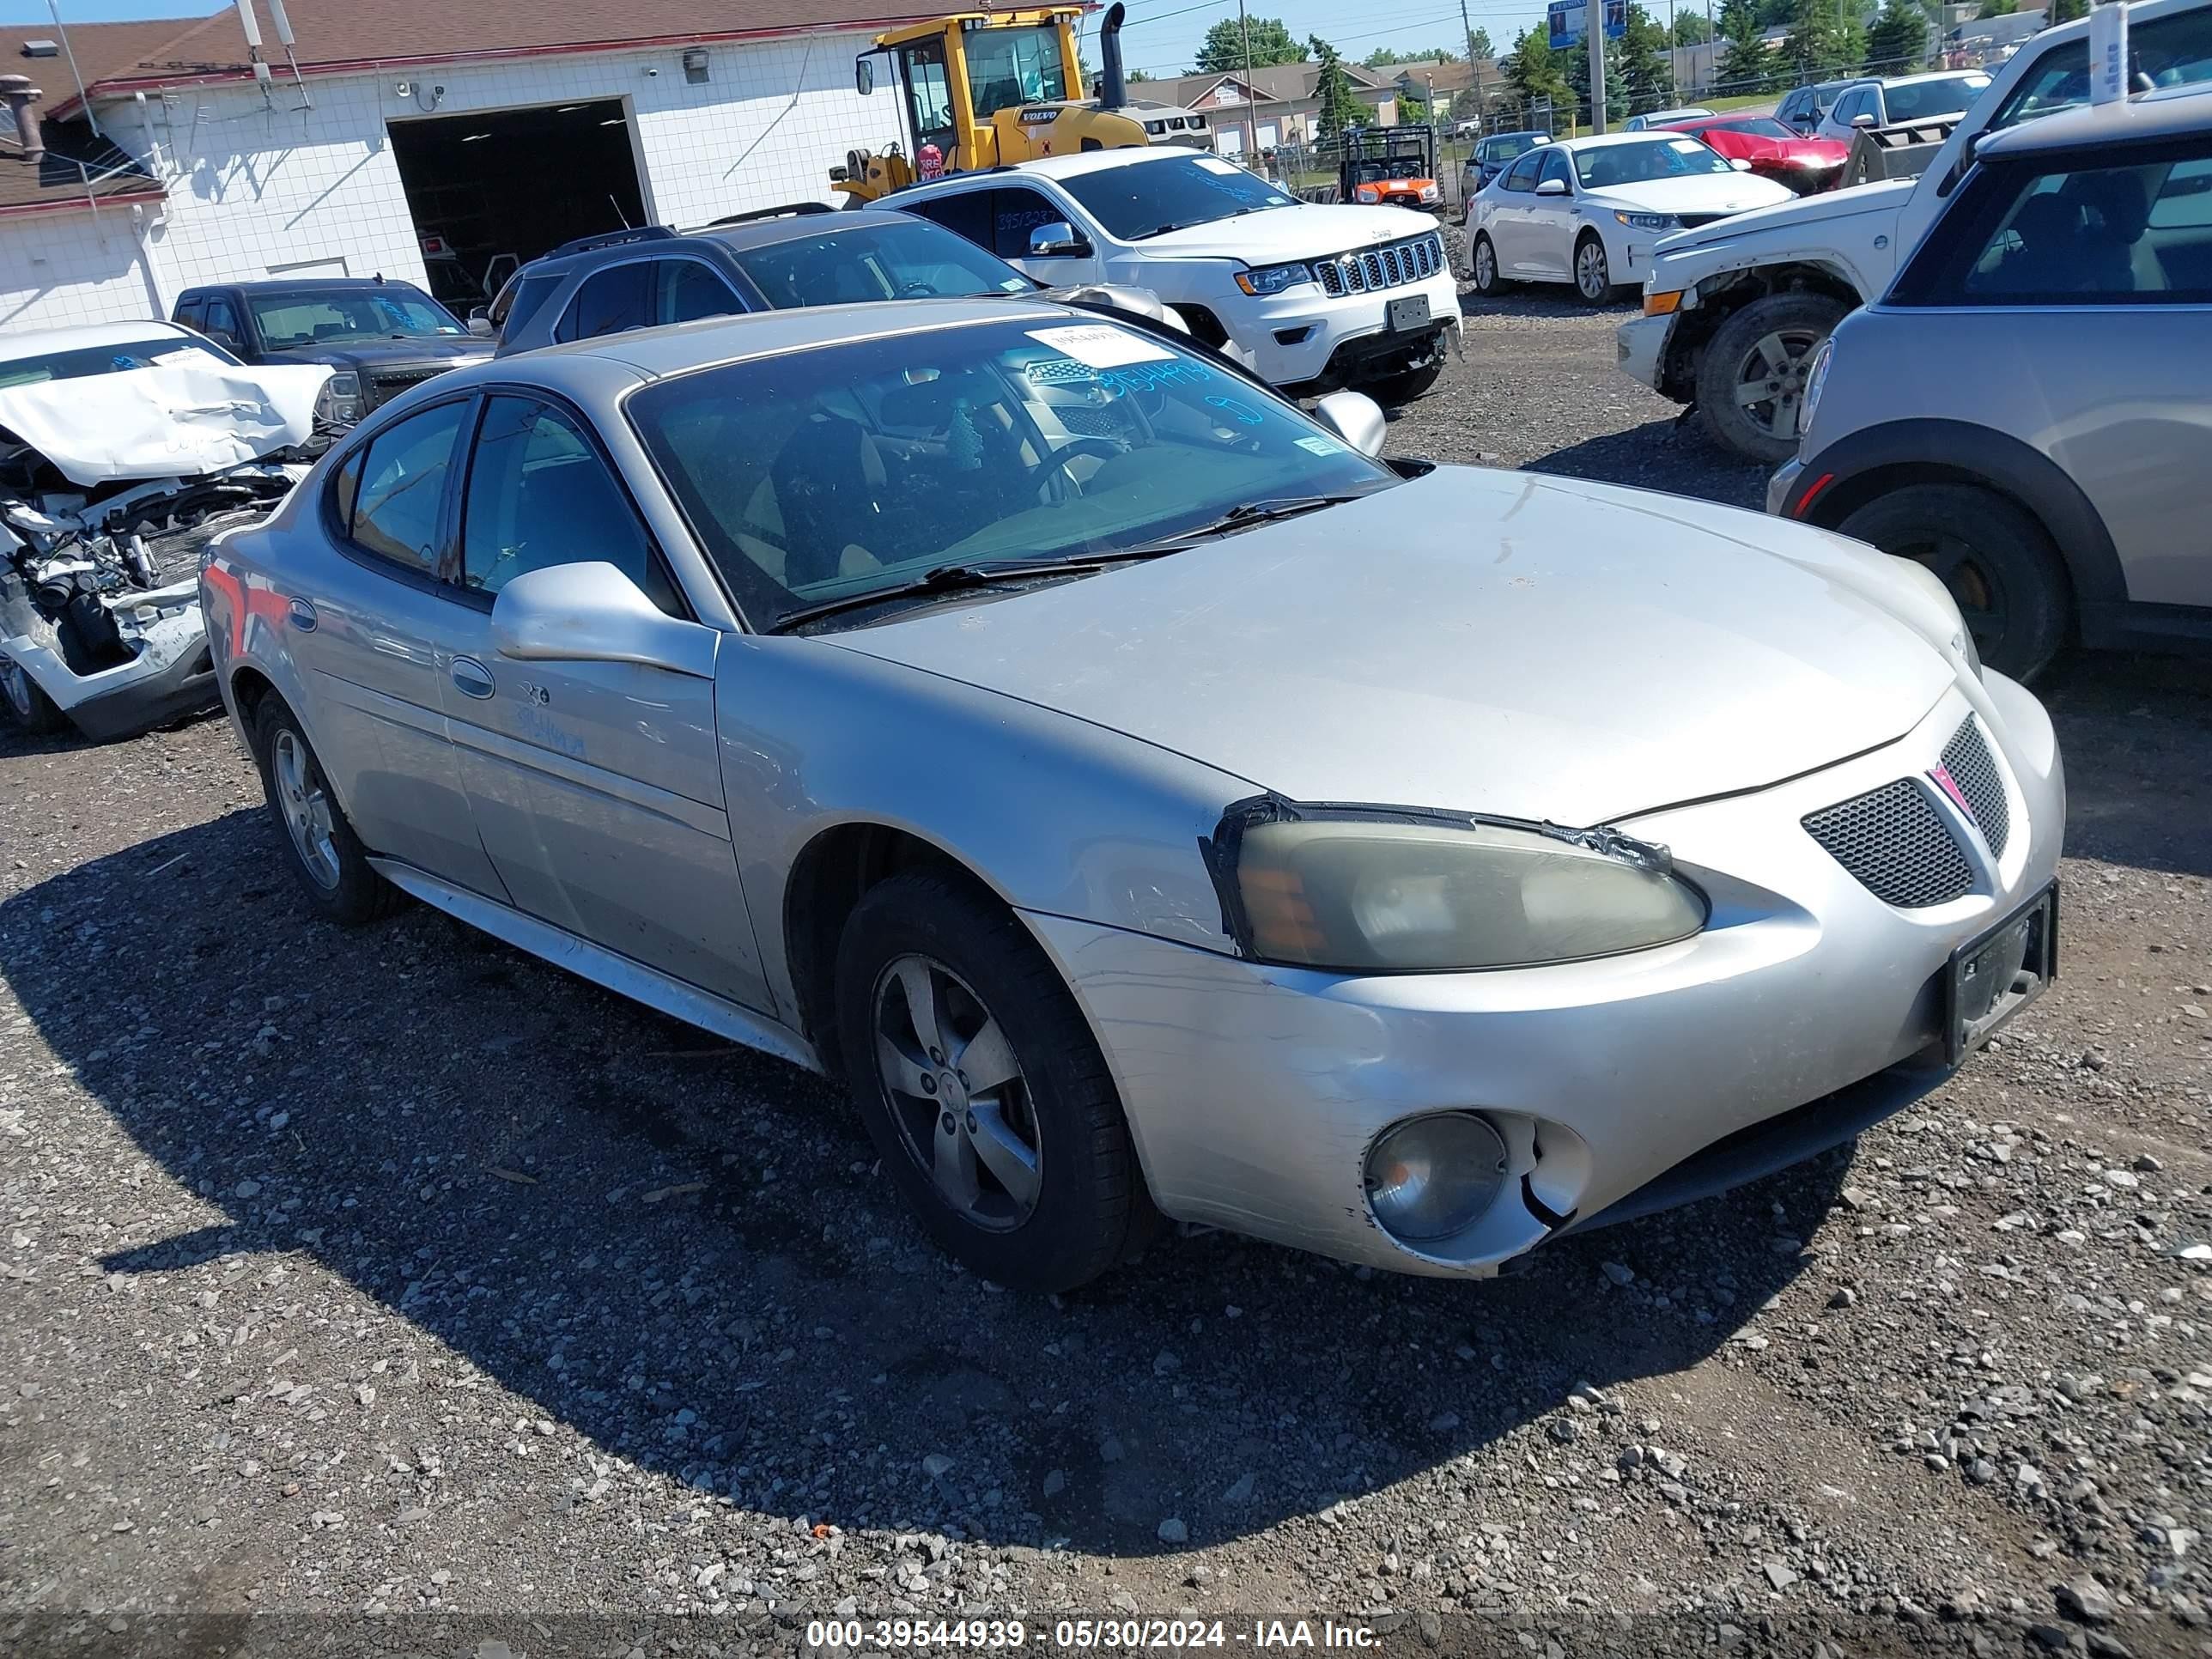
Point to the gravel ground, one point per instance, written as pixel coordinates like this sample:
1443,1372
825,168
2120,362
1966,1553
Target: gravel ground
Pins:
363,1274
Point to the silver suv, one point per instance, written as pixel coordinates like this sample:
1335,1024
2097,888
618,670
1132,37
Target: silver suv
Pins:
2027,410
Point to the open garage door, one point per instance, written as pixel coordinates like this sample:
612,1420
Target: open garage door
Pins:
486,191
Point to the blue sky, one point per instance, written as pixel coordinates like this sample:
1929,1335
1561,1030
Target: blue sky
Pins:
1161,37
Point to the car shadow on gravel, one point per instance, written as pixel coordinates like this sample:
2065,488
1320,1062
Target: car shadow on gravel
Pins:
1666,455
609,1220
2137,735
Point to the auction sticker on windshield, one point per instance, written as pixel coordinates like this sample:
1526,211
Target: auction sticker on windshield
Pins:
1099,346
1215,164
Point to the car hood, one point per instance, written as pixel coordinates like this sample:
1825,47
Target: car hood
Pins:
1796,213
1479,640
455,349
1303,231
1730,193
1757,147
183,419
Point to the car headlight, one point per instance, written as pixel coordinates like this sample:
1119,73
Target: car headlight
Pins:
1816,378
1428,193
1649,221
1262,280
1433,1177
1366,193
338,403
1388,893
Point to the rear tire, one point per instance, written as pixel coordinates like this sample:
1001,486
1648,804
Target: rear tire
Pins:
1741,352
1396,391
1996,561
1001,1074
1483,257
27,706
320,849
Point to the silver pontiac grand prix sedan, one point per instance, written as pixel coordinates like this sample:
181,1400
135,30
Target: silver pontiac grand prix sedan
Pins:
1146,800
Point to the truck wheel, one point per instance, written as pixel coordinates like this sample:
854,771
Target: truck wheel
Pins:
979,1081
1484,257
1997,560
31,709
1396,391
1753,378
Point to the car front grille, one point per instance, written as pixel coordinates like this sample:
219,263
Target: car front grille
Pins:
1966,757
1392,266
1895,842
381,385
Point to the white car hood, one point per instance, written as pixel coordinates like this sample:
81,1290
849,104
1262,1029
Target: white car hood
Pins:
1479,640
1305,232
167,422
1711,192
1796,212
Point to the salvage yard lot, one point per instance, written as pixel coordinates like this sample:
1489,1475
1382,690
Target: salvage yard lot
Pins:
384,1270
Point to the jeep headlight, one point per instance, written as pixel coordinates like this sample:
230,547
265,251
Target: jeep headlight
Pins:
1649,221
1263,280
1390,895
1366,193
338,403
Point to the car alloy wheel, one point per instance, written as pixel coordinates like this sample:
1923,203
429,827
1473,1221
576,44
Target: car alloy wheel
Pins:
1485,265
1592,279
1770,379
957,1093
306,808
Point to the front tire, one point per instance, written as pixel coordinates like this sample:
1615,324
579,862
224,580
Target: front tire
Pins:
1484,258
1995,559
982,1087
320,849
27,705
1752,379
1593,273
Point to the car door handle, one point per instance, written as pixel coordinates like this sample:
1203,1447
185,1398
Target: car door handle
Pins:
473,679
302,614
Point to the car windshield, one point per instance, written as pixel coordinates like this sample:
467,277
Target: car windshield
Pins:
347,317
1923,100
1757,126
1505,149
2171,51
894,258
818,475
1149,198
158,350
1604,166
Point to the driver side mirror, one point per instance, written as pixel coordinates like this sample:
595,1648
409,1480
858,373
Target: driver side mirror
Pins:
480,324
592,613
1551,187
1866,120
864,76
1058,240
1355,418
1739,165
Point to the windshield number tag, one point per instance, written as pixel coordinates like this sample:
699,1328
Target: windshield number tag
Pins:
1099,346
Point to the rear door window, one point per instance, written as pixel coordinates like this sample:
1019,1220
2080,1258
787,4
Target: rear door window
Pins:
610,302
965,213
397,507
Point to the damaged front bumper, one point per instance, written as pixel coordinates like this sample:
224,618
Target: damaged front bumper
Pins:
167,674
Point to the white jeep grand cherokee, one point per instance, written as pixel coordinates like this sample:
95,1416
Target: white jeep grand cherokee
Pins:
1732,315
1310,298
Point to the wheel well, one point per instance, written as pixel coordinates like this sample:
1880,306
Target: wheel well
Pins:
249,689
1693,329
1845,498
1204,326
829,879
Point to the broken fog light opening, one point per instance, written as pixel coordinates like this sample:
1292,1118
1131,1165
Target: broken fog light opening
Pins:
1430,1177
338,403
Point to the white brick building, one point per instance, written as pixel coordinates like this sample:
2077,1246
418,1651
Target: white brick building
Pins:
492,128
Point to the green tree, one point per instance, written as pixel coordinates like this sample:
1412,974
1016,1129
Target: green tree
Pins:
1825,39
1386,58
1412,111
2064,11
1135,76
1533,69
1999,8
1576,61
1774,14
1640,60
1898,42
1691,29
1224,48
1479,43
1339,108
1747,63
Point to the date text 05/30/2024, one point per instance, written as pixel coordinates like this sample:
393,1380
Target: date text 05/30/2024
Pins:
884,1635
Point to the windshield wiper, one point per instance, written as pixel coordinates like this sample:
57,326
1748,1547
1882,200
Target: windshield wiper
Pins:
956,578
1248,515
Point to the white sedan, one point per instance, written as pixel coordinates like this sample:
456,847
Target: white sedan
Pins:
1588,210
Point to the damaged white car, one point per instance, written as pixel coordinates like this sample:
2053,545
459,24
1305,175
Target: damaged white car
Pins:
125,448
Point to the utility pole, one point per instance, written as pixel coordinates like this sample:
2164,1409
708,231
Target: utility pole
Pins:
1474,66
1251,113
1594,30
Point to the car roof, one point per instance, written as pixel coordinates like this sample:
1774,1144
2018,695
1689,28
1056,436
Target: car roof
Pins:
1069,167
303,285
2168,113
1601,141
32,343
1916,79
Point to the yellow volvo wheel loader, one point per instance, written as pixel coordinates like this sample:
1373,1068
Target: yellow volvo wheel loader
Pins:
982,88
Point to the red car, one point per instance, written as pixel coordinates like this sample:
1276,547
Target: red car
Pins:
1806,165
